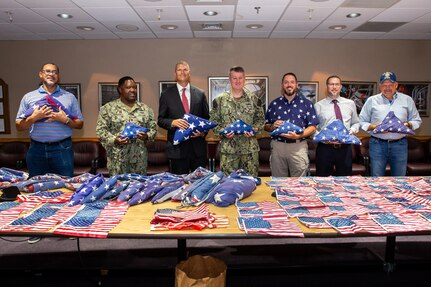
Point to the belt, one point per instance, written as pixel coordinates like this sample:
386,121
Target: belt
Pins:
336,145
52,143
289,141
388,140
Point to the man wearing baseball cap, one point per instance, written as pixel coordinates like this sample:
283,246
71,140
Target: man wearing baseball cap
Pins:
388,147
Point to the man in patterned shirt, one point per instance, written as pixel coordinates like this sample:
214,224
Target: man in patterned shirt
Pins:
238,151
289,152
125,155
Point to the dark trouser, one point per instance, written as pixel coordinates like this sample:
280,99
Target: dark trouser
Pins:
43,158
187,165
329,156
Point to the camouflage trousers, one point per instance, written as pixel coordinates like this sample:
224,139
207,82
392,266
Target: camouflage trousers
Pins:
230,162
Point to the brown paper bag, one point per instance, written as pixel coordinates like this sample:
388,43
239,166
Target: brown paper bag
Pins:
200,271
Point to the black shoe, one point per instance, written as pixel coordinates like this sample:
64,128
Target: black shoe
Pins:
33,240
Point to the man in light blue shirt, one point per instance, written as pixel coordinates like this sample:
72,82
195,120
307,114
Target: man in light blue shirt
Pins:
50,130
388,147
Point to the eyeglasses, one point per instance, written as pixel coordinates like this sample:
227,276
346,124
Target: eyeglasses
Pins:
50,72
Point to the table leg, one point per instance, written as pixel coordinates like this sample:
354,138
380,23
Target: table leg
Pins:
182,249
389,264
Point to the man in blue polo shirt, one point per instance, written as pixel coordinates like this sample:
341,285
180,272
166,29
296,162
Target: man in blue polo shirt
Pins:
289,152
50,125
389,147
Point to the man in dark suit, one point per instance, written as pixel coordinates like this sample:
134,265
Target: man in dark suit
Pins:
174,102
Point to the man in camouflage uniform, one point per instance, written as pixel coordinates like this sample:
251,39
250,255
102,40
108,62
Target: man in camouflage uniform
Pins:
238,151
125,155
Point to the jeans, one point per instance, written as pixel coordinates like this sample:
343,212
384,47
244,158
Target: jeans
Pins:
43,158
383,152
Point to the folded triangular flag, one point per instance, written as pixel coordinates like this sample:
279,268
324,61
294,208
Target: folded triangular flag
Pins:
131,130
392,124
50,102
236,186
195,124
238,127
336,132
285,128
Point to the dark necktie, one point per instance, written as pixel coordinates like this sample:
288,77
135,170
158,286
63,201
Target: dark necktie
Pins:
185,101
337,110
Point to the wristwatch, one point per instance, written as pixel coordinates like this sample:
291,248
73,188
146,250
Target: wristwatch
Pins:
68,121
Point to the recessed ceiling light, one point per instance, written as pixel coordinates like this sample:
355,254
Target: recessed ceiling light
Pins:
127,27
353,15
254,26
210,13
338,27
169,27
85,28
64,16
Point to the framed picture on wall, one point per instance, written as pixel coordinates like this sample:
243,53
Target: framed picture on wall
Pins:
108,92
163,85
256,85
358,92
4,108
420,92
74,89
309,90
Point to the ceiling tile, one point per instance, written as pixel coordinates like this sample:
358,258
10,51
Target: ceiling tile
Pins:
22,15
98,28
308,3
47,3
143,3
113,14
324,26
412,3
167,13
43,28
155,26
296,26
5,4
51,13
289,34
306,14
264,13
366,14
400,15
268,26
196,13
101,3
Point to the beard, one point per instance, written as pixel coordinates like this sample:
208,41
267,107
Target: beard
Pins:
287,92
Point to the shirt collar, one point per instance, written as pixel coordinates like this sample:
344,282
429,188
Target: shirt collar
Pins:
43,91
180,88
